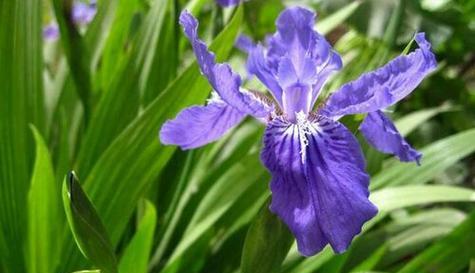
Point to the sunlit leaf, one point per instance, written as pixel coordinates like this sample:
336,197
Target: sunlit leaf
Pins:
136,255
88,230
44,215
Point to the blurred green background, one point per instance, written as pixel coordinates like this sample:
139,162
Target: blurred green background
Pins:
93,99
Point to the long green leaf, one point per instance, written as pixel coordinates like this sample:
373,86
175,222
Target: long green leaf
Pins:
389,199
436,158
451,254
410,122
218,200
128,166
75,51
44,220
21,103
121,101
267,242
86,226
334,20
114,51
136,255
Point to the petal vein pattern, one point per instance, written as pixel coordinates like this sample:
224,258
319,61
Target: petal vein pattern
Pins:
319,187
381,133
384,86
199,125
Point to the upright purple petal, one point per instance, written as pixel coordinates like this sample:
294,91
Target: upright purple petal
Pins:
384,86
381,133
221,77
199,125
297,63
228,3
311,55
319,184
257,65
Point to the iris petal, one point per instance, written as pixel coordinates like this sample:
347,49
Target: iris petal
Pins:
221,77
311,55
244,43
319,184
257,65
228,3
381,133
298,58
384,86
199,125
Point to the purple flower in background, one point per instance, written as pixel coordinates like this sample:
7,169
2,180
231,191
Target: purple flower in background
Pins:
319,184
228,3
82,15
51,31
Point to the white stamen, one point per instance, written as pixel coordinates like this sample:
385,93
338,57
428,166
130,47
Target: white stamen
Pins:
304,129
215,98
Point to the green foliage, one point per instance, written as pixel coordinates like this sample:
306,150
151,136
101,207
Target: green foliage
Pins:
267,243
137,253
44,213
96,98
87,228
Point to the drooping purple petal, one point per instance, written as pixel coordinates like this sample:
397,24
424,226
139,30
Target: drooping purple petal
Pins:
319,184
228,3
199,125
384,86
221,77
381,133
51,32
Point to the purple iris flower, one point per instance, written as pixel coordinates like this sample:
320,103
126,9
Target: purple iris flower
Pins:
319,184
228,3
82,15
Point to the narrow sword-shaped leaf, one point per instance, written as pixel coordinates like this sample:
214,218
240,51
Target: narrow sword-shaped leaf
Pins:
451,254
267,242
121,100
21,103
437,157
136,254
88,230
136,157
44,217
75,51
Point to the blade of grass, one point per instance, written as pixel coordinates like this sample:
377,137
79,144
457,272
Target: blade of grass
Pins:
121,101
21,103
44,220
217,202
337,18
410,122
451,254
126,169
389,199
76,52
89,232
436,158
136,255
267,242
